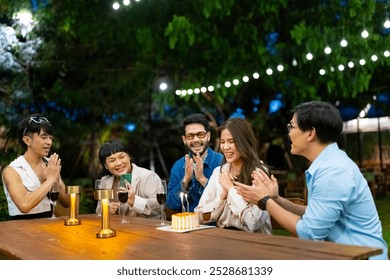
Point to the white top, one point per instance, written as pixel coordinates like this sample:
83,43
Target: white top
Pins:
31,183
144,183
234,211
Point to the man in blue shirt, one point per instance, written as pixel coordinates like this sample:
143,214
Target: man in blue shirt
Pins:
340,205
190,174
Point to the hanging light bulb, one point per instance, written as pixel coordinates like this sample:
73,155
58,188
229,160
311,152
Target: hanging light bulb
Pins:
294,62
328,50
343,43
365,33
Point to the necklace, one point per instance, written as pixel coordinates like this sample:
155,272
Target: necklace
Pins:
233,174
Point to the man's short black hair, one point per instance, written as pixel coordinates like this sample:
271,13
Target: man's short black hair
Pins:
195,119
33,124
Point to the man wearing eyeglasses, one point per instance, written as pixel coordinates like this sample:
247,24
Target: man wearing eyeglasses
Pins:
29,178
340,205
190,174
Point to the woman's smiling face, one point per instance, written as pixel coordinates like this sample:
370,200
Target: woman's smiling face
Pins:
118,163
228,146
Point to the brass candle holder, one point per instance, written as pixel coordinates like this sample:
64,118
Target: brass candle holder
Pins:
104,196
74,192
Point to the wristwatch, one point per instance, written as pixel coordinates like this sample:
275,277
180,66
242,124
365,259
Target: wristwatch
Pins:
263,202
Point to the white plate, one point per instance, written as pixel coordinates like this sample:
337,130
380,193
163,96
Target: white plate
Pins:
169,228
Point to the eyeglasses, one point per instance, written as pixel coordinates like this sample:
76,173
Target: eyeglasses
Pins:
290,126
191,136
36,120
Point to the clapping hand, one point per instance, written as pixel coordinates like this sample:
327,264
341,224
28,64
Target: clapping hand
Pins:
261,186
226,181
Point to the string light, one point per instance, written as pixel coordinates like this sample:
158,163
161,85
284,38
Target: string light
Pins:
343,43
309,57
365,34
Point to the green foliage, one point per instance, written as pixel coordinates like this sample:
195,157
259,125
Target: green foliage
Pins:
383,207
98,69
180,29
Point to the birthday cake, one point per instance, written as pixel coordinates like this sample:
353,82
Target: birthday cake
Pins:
186,220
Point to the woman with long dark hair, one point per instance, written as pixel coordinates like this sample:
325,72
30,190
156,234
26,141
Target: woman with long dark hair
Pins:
220,202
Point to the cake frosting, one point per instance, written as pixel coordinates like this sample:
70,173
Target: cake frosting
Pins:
186,220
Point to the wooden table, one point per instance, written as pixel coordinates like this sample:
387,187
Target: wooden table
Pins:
44,239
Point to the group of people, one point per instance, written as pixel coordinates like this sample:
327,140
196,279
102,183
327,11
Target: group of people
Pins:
232,189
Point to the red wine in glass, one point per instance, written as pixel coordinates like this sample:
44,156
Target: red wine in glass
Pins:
161,198
123,196
53,196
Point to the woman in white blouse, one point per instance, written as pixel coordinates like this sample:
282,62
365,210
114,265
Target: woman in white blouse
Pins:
220,202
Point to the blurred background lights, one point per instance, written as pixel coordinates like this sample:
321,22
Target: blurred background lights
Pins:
280,67
351,64
309,56
126,2
227,84
374,57
274,106
341,67
116,6
362,61
25,17
236,82
294,62
365,33
269,71
163,86
130,127
245,79
343,43
322,72
386,24
256,75
328,50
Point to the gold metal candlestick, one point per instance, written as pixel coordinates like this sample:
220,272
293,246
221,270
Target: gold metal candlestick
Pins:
104,196
74,192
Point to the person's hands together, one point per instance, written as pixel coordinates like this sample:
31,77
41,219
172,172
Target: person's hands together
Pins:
189,170
53,168
226,182
261,186
199,167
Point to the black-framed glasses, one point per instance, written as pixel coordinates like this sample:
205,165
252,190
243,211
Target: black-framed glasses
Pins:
36,119
290,126
200,135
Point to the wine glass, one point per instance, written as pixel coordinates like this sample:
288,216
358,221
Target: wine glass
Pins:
98,186
161,199
123,195
53,196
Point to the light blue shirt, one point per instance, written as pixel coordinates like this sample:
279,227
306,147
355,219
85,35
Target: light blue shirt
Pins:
340,205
